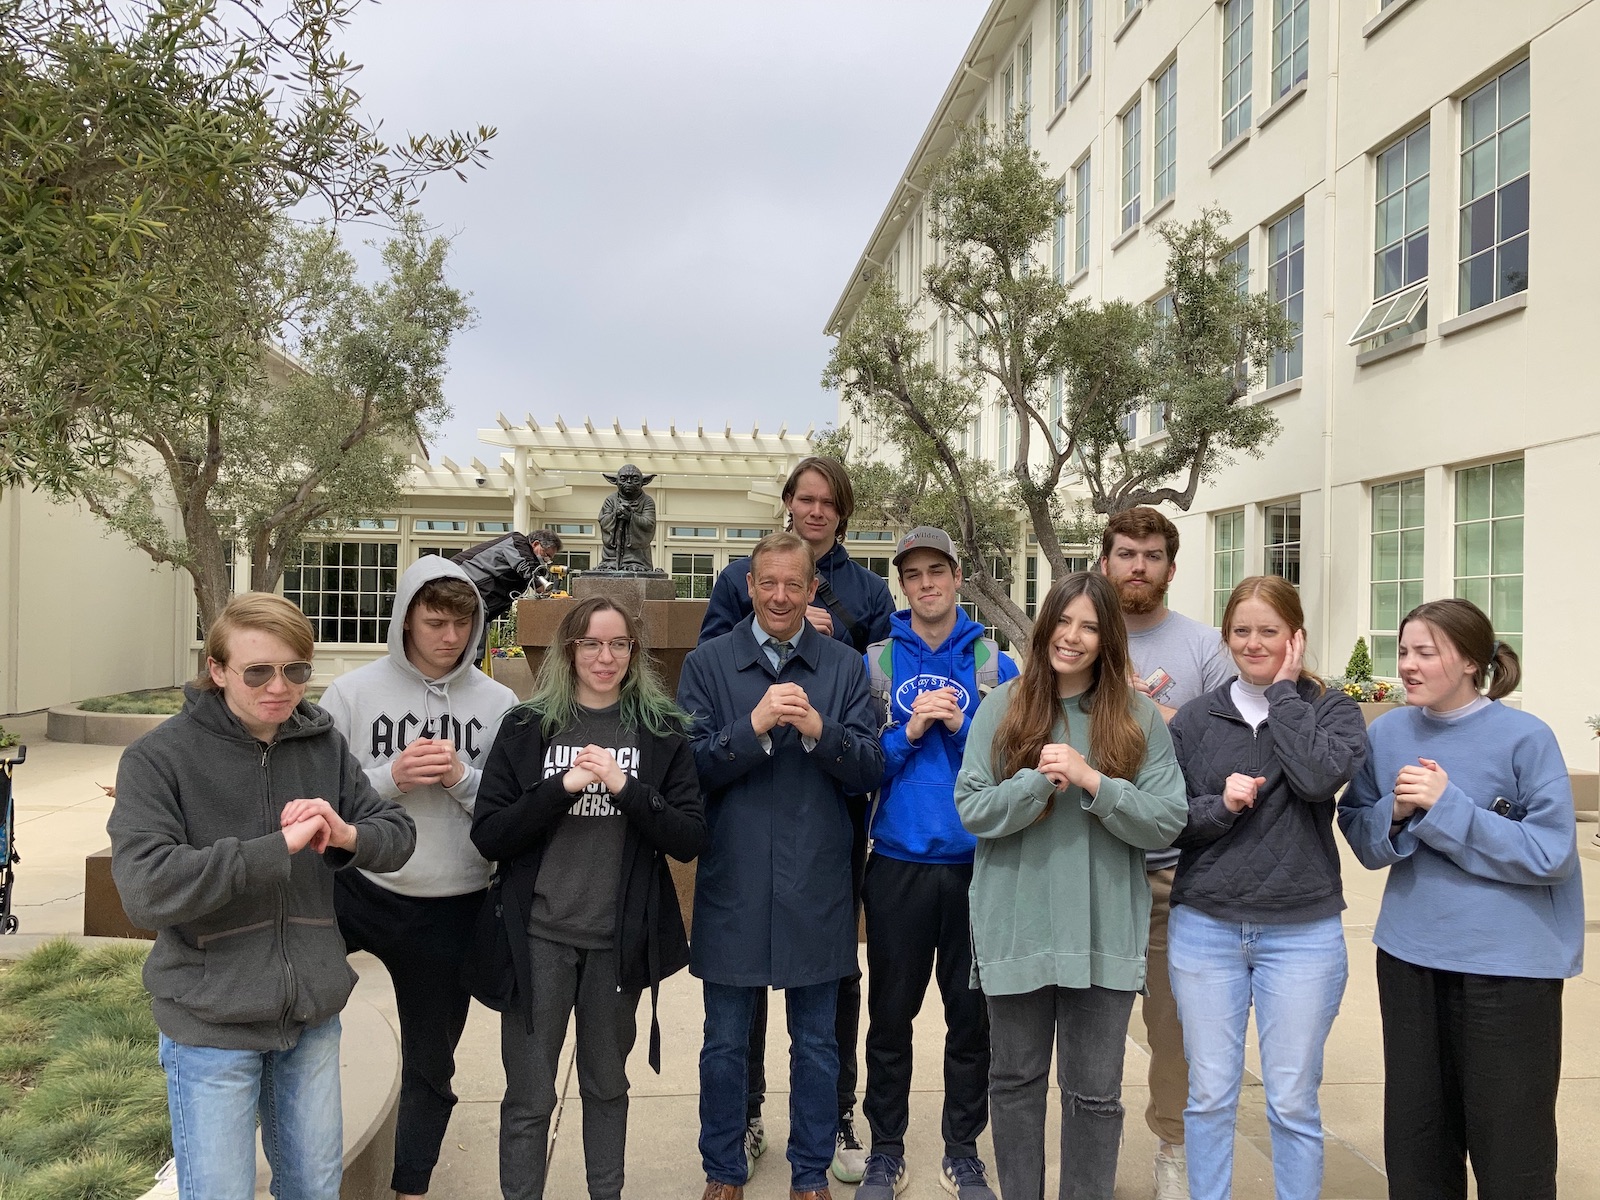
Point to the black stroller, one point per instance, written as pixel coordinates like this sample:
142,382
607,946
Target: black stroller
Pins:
8,840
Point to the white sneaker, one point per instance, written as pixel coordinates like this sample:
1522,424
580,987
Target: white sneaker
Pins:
1172,1172
849,1155
755,1144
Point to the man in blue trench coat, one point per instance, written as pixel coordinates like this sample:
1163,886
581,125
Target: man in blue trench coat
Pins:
783,732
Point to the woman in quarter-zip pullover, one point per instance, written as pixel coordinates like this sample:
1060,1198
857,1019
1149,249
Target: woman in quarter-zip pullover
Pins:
1256,902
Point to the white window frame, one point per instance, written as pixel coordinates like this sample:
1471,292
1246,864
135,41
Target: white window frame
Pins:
1164,168
1130,124
1291,44
1395,308
1083,189
1278,369
1493,145
1238,64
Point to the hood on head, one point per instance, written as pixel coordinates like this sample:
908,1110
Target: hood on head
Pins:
430,566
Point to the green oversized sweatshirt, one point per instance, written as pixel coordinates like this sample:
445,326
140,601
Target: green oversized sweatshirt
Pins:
1064,900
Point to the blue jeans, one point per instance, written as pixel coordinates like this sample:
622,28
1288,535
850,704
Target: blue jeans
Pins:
813,1081
1295,975
215,1095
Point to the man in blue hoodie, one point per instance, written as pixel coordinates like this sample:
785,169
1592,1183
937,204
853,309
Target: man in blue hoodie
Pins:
928,678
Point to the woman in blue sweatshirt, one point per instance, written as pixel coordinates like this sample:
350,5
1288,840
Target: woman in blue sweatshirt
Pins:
1468,804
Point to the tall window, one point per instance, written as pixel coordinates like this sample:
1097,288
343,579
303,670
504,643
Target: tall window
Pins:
1227,560
1025,81
1283,540
1085,37
1008,91
1291,44
1058,241
1166,165
1081,180
1397,536
1129,424
1063,51
1494,190
1400,237
1286,275
1131,121
1058,386
345,589
1030,586
693,575
1489,544
977,435
1238,20
1237,260
1129,7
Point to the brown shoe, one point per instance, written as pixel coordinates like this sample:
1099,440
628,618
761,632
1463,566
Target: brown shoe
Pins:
723,1191
821,1193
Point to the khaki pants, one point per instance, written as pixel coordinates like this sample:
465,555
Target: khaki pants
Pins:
1169,1068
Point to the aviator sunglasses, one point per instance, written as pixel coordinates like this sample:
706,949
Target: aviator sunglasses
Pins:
260,674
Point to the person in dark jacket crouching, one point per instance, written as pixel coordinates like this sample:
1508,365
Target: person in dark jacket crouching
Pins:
229,822
589,786
1257,898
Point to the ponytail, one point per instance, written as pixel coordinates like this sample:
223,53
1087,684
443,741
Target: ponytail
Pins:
1463,624
1505,670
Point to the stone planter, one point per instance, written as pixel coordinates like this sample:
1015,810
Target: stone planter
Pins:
515,673
1373,710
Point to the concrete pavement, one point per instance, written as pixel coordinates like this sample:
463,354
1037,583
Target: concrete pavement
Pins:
61,818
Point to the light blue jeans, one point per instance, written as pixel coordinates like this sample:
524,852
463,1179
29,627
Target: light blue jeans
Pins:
1295,976
215,1095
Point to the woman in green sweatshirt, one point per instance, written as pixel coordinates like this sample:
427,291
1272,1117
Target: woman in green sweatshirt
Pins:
1068,778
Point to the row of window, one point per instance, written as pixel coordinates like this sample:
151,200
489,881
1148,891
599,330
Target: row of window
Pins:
1486,548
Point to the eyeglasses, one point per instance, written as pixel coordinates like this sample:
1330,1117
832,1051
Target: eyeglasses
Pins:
590,647
260,674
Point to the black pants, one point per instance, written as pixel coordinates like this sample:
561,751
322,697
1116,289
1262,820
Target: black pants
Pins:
847,1016
1471,1068
422,941
917,914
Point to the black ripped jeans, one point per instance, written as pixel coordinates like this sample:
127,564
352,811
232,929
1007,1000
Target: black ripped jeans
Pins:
1087,1030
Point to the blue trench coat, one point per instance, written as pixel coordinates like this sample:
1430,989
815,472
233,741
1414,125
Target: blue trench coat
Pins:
772,903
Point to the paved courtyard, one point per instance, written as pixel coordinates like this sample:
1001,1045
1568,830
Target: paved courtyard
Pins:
61,818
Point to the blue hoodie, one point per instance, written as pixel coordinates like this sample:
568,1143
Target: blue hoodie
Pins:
916,820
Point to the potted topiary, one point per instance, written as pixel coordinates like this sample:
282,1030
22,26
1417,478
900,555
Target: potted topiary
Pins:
1376,696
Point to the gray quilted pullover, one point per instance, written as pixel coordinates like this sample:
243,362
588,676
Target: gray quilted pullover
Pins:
1275,862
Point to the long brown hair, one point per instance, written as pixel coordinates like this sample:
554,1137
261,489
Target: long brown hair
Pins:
645,701
1116,740
1278,594
1463,625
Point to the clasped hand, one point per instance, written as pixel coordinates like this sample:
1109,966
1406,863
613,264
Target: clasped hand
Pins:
1418,788
313,822
1239,792
1062,766
594,763
786,704
425,761
936,705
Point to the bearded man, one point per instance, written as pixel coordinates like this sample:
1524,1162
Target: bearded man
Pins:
1175,659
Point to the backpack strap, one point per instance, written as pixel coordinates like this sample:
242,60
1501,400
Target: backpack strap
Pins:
986,663
880,671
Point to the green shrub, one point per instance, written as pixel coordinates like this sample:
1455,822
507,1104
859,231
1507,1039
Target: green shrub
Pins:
83,1112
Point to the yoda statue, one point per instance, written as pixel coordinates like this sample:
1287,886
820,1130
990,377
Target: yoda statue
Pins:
627,523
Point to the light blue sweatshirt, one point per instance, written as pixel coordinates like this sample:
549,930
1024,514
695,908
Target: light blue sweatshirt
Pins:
1470,889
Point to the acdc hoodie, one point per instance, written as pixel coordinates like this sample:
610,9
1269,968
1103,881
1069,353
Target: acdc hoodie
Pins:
915,819
382,707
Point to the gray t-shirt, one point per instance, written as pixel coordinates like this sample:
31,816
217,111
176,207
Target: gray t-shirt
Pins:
1194,660
575,895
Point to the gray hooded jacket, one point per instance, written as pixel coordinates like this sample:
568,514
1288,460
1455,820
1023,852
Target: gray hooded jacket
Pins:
384,706
247,953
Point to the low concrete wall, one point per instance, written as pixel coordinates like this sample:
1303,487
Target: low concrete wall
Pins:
69,723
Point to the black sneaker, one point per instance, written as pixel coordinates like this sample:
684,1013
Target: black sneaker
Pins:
884,1179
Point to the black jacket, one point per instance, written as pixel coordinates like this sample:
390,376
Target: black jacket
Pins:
517,812
502,569
1275,862
853,588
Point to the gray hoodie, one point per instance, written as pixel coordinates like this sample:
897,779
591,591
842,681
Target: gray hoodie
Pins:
247,953
382,707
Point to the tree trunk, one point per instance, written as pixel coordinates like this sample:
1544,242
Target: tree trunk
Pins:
207,566
998,608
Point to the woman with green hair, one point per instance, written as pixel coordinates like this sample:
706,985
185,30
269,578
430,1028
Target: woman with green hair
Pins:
590,784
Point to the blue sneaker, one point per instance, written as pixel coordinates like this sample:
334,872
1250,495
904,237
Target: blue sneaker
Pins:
966,1179
884,1177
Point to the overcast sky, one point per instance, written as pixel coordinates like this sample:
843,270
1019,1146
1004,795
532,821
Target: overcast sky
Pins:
677,194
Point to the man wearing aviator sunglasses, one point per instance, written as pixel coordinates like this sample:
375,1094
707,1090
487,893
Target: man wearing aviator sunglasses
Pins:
231,821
